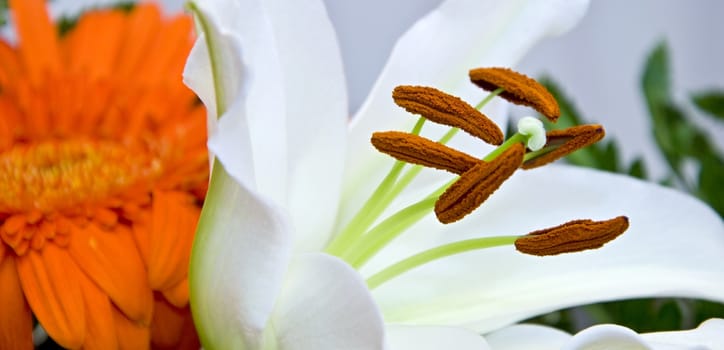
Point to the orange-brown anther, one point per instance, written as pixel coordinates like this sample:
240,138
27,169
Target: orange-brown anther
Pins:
573,236
419,150
518,89
477,184
564,142
442,108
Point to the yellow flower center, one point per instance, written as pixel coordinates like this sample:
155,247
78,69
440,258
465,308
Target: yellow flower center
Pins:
56,175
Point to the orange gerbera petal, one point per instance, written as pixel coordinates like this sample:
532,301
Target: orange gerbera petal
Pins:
168,323
38,38
172,40
10,116
50,282
9,65
178,295
143,26
101,330
16,323
173,327
174,219
131,336
112,261
94,45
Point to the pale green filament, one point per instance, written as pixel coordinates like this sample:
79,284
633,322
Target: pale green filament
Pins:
435,254
488,98
389,229
372,209
538,153
516,138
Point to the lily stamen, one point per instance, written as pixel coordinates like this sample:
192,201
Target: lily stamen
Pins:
477,184
561,143
573,236
449,110
421,151
519,89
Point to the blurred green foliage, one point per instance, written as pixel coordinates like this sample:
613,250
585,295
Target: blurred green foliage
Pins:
3,12
680,141
678,138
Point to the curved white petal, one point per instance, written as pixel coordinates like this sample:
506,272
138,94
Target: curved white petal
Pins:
316,121
325,304
607,337
438,51
240,256
291,122
218,76
257,129
527,336
709,335
434,338
673,248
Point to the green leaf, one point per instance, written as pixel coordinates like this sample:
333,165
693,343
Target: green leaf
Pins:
609,158
570,116
641,315
711,185
656,81
3,12
637,169
711,102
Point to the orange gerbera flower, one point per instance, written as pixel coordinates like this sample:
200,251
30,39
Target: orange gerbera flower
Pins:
103,167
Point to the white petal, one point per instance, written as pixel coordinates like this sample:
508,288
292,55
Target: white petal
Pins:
709,334
246,55
607,337
325,304
433,338
240,255
527,336
228,88
672,248
293,109
316,106
438,51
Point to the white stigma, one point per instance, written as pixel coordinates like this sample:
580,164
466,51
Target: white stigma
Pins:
533,128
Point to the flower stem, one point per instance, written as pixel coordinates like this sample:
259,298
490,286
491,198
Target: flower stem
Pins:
436,253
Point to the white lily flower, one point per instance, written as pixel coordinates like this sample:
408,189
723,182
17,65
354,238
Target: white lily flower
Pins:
291,173
708,336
